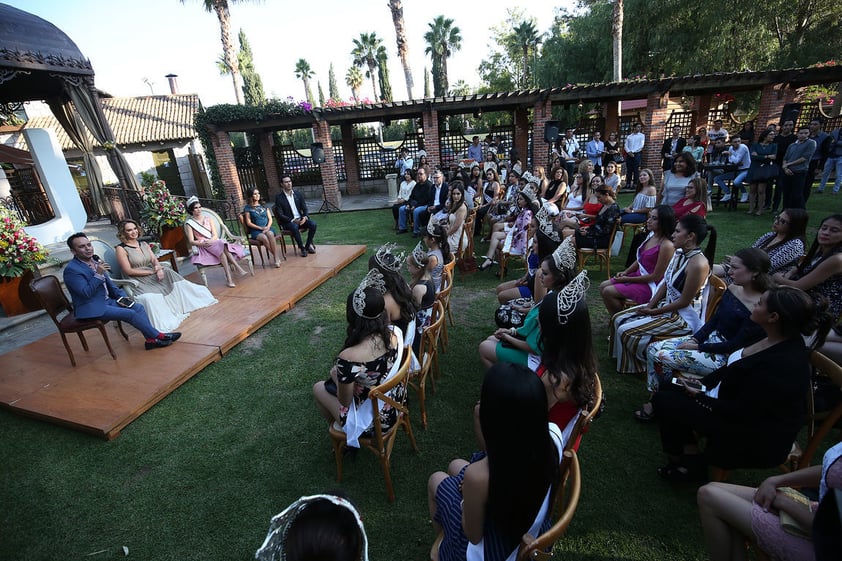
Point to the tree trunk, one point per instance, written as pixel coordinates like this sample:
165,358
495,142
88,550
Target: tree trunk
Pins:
403,43
224,16
307,91
617,39
371,68
444,84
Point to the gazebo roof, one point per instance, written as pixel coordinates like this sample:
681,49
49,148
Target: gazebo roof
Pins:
31,49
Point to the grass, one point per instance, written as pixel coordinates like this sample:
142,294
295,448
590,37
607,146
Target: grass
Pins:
200,474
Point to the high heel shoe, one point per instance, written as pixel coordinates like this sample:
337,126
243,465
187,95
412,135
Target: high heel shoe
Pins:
485,265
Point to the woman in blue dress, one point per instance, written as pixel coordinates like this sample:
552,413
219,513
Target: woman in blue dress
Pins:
258,221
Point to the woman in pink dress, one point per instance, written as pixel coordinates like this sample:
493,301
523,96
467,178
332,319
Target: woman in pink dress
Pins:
638,282
210,249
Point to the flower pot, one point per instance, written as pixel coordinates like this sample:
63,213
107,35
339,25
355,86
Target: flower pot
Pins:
173,238
15,295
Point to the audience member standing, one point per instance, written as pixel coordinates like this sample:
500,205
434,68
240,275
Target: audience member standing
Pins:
404,162
716,133
823,142
634,150
794,169
834,160
672,147
475,150
783,140
595,149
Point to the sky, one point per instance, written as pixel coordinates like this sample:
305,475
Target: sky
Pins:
129,41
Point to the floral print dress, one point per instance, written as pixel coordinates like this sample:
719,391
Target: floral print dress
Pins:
367,375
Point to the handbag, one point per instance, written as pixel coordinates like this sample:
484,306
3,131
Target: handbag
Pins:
617,158
766,171
507,316
617,244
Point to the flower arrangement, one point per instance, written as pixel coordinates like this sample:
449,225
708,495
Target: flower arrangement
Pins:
109,145
160,208
19,252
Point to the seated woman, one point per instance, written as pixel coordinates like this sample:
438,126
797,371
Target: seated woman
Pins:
694,200
676,307
675,181
556,189
820,272
491,195
644,199
525,285
516,234
593,204
368,354
784,244
258,221
457,212
751,410
167,296
423,291
576,195
597,235
611,178
480,516
515,345
398,297
568,363
729,329
732,514
438,251
208,248
639,281
404,193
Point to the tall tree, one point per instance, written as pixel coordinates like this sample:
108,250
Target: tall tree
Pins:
253,92
426,83
442,39
354,79
220,8
365,54
524,37
403,43
383,74
332,88
507,67
304,73
617,41
321,94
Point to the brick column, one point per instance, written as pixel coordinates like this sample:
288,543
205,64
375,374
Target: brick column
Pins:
430,120
521,140
541,113
656,119
612,118
703,111
228,168
352,161
773,97
330,182
270,166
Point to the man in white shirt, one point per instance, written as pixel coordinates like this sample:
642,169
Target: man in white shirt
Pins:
634,150
715,133
738,155
595,149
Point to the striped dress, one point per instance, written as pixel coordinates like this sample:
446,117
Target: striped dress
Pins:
632,333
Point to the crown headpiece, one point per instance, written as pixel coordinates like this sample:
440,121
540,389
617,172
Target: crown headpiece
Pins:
372,279
530,178
528,191
388,260
419,255
273,548
569,296
545,222
191,200
564,256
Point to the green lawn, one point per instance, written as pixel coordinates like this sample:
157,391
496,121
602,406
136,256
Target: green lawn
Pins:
201,473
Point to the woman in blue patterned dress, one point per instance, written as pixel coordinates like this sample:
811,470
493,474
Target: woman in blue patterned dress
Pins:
258,221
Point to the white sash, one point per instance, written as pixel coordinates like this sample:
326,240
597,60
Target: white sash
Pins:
360,417
199,228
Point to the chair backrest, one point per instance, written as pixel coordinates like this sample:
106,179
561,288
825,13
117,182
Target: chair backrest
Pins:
823,367
586,416
383,393
430,335
715,290
109,255
49,293
565,502
450,266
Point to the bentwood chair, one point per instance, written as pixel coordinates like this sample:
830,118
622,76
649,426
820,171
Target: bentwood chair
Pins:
428,358
602,255
391,393
261,249
823,366
443,296
49,293
585,417
225,234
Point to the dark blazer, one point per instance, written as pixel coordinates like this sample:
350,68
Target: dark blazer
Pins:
282,210
88,292
666,149
439,204
422,194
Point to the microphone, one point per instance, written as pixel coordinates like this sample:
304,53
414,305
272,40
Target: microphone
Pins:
96,258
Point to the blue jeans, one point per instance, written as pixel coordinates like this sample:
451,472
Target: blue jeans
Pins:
418,215
737,176
832,162
134,316
402,216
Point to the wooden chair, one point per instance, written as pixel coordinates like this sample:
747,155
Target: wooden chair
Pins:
586,417
253,243
224,233
443,296
381,442
715,291
824,367
564,503
49,293
429,359
602,255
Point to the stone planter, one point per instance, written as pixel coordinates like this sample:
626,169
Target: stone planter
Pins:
173,238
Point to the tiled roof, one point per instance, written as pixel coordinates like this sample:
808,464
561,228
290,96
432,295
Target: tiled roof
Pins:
138,120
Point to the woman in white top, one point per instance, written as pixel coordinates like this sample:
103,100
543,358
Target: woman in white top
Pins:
644,199
675,181
611,178
404,193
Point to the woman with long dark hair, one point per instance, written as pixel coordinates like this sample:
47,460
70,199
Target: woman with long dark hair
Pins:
438,251
555,191
675,180
457,212
764,152
398,297
486,506
258,221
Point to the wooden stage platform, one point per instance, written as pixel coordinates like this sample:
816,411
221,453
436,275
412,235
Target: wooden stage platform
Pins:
102,395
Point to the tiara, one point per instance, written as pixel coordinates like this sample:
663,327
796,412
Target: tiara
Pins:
529,192
388,260
545,223
529,178
191,200
372,279
275,542
564,256
419,254
570,295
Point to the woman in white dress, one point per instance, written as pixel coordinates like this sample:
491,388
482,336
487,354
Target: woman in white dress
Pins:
167,296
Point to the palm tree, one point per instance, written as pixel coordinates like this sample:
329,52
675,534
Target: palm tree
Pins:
354,79
617,40
525,36
442,40
304,73
365,54
220,7
403,43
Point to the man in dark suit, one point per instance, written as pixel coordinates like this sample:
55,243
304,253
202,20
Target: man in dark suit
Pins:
291,212
420,198
672,147
440,191
95,296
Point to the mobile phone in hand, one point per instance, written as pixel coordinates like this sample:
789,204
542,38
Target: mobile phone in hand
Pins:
125,302
690,383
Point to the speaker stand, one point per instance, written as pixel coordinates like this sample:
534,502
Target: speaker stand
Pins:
327,206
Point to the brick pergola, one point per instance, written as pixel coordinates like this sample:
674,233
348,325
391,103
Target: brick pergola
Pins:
777,88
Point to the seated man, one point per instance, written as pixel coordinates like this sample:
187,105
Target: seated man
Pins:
419,200
738,156
291,212
95,296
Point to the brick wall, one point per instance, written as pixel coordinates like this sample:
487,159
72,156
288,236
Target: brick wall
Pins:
542,112
352,166
773,97
330,181
521,140
270,166
657,113
228,168
430,118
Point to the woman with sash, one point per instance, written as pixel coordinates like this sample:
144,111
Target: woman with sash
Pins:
209,249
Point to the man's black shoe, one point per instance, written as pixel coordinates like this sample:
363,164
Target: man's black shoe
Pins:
158,343
174,336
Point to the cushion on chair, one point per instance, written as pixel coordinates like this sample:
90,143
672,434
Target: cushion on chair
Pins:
71,323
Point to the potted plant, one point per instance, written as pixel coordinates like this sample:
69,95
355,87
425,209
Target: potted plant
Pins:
20,255
166,215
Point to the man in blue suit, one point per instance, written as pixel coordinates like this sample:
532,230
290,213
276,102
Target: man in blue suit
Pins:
95,296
